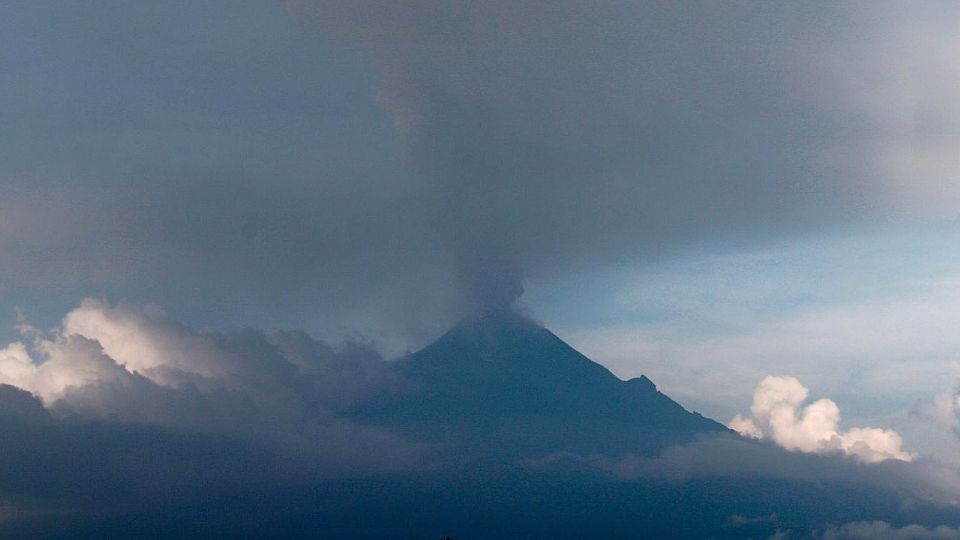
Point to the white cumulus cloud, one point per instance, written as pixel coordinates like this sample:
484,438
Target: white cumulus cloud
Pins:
134,365
778,412
65,363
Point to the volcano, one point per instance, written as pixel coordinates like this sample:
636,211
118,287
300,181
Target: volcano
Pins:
499,384
514,420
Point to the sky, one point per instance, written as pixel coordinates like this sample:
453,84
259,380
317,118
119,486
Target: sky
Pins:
708,195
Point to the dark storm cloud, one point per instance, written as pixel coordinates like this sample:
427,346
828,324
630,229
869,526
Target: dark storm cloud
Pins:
573,130
147,149
345,161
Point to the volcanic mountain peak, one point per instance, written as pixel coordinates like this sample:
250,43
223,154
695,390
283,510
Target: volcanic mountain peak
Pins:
503,379
504,340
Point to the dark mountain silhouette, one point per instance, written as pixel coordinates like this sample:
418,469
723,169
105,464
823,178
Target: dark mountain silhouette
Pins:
501,384
496,392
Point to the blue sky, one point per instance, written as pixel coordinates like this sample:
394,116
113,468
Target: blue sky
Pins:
867,320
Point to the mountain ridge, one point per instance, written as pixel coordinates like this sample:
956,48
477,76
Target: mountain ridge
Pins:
499,382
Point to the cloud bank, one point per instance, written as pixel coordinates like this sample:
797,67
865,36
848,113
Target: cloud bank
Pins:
881,530
158,416
778,412
132,366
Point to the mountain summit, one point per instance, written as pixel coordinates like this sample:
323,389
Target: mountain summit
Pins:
502,384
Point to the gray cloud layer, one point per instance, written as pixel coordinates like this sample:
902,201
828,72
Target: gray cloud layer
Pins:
234,159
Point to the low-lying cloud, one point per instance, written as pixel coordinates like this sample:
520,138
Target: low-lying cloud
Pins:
153,412
132,366
881,530
778,412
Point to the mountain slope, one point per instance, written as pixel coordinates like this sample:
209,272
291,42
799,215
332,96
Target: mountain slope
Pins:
501,384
